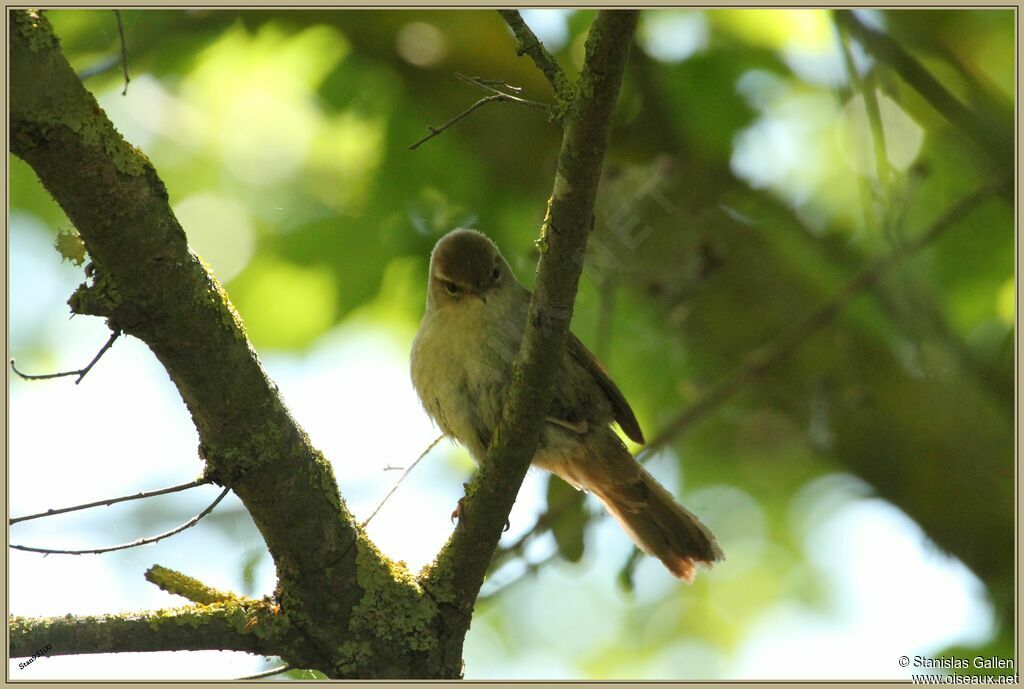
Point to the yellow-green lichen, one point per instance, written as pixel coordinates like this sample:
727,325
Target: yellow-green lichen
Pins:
188,587
214,295
102,297
35,28
245,617
353,655
63,101
542,242
323,472
70,247
393,607
441,577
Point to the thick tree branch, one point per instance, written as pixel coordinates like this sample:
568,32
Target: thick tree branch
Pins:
222,621
460,568
148,283
222,626
357,614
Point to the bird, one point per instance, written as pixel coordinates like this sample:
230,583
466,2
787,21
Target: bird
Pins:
461,367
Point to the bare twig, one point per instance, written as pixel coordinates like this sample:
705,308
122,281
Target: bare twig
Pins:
268,673
124,546
111,501
491,84
124,52
527,43
80,372
496,87
400,479
435,131
497,96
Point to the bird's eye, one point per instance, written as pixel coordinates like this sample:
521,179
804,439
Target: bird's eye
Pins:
496,273
452,288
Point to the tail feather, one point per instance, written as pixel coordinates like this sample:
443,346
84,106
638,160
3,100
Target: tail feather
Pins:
659,525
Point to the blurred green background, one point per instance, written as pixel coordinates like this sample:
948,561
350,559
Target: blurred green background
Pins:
861,483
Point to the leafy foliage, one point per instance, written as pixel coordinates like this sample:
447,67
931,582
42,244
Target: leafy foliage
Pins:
741,193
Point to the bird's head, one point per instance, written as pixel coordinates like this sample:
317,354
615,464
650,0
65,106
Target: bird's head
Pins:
465,267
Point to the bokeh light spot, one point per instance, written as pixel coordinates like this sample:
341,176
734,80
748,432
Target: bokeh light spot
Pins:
420,44
219,229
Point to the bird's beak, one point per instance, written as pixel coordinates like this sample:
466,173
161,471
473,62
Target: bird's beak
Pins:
480,296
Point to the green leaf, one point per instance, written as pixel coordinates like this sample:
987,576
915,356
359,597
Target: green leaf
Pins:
565,504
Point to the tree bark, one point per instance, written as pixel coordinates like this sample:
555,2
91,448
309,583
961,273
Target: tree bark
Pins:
341,606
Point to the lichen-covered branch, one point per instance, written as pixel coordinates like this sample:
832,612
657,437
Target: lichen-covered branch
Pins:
185,586
221,626
341,606
460,568
527,43
146,282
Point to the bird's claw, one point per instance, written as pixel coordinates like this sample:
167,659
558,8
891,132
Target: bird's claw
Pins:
457,512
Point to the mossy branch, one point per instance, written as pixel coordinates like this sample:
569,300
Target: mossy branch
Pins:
460,568
185,586
527,43
342,607
221,626
154,288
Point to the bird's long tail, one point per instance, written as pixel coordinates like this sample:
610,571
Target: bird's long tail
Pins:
658,524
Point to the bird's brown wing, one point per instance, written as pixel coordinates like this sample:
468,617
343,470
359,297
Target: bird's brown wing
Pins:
623,413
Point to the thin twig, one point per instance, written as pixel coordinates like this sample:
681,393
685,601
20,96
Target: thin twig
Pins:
124,546
495,97
111,501
80,372
434,131
491,85
124,52
268,673
527,43
400,479
484,82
